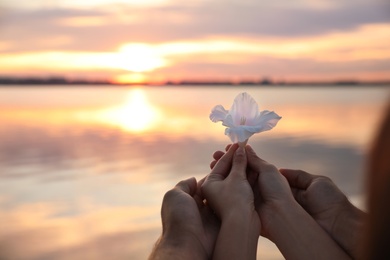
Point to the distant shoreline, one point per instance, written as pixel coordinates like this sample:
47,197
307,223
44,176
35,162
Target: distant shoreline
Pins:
25,82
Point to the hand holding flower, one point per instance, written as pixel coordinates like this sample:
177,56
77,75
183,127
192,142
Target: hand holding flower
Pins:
230,195
283,221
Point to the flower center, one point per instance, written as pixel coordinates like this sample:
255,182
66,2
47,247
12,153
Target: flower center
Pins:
242,120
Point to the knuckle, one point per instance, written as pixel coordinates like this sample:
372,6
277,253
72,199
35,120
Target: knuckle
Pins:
325,180
269,167
170,195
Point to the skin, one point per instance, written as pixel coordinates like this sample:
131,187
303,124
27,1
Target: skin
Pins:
329,207
190,227
229,193
283,220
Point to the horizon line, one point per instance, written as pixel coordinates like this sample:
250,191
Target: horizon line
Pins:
5,80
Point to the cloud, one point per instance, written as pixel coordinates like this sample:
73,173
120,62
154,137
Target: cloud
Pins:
87,42
105,29
276,68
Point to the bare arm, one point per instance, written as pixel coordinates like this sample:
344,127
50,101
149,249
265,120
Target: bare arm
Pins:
329,207
230,195
298,236
235,240
284,221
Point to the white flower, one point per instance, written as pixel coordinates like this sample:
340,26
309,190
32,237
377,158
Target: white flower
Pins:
244,118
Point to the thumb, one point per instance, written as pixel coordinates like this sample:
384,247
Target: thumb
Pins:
222,168
187,186
239,164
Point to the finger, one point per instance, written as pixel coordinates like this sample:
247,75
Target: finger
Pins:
218,154
200,183
251,176
256,163
296,192
199,195
188,186
239,164
297,178
299,196
228,147
222,167
212,164
251,153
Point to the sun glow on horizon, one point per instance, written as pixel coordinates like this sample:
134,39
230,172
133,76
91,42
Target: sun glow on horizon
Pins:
143,61
132,78
137,57
135,115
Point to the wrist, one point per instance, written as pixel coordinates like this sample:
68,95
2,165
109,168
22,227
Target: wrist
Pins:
349,217
274,214
298,235
347,228
247,220
277,216
238,236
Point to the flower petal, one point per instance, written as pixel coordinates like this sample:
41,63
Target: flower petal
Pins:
228,121
244,106
266,120
218,113
239,134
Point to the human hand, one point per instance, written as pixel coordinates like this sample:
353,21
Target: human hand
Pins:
251,175
330,208
227,186
230,195
274,187
190,228
272,191
283,220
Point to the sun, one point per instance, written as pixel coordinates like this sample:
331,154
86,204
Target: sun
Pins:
131,78
138,57
136,114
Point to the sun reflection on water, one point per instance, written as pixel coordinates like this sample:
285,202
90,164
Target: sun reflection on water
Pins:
136,114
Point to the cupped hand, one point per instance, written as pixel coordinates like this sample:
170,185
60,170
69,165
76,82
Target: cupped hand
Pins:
283,220
190,227
330,207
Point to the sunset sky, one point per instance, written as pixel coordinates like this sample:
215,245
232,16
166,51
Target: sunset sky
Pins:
159,40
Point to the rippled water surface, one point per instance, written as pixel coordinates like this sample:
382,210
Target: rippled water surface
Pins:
83,169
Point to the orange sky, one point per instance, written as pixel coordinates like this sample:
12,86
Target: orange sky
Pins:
159,40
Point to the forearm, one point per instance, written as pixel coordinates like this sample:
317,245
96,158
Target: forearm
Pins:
298,236
238,237
348,228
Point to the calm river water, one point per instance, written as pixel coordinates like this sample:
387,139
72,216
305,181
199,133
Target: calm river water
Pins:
83,169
